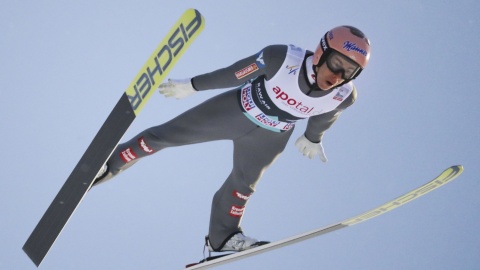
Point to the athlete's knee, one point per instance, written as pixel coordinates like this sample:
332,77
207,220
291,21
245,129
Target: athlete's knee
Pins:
157,138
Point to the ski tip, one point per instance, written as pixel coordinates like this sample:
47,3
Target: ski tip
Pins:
450,173
457,168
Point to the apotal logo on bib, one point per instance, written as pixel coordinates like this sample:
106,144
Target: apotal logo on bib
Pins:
293,103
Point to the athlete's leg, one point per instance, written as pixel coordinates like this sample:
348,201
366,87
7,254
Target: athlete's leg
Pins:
215,119
253,153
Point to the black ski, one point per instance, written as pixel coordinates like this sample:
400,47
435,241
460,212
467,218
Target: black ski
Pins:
155,70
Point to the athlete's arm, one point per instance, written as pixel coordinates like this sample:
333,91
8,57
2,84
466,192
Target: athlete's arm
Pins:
266,62
318,124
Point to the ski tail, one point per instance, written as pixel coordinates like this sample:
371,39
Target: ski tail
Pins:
445,177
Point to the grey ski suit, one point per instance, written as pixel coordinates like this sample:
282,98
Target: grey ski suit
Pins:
223,118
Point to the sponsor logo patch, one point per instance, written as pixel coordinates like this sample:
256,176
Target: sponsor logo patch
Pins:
340,95
260,61
128,155
241,196
144,146
246,71
261,99
291,102
352,46
247,100
324,44
237,211
293,69
265,120
288,126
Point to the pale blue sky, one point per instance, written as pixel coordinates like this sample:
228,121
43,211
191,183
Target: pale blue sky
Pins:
64,66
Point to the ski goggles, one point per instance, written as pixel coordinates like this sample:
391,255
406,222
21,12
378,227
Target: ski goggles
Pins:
339,63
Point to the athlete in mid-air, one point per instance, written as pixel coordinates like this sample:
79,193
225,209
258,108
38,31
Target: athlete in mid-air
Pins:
275,87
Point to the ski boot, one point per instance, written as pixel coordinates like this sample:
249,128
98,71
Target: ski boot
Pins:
238,242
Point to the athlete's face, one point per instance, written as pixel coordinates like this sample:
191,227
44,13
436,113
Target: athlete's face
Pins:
336,69
327,79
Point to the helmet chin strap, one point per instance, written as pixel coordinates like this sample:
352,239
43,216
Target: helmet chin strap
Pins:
311,71
312,74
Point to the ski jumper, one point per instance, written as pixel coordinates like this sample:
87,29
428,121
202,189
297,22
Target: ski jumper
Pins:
273,89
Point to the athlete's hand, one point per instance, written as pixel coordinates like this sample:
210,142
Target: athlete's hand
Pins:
310,149
177,88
